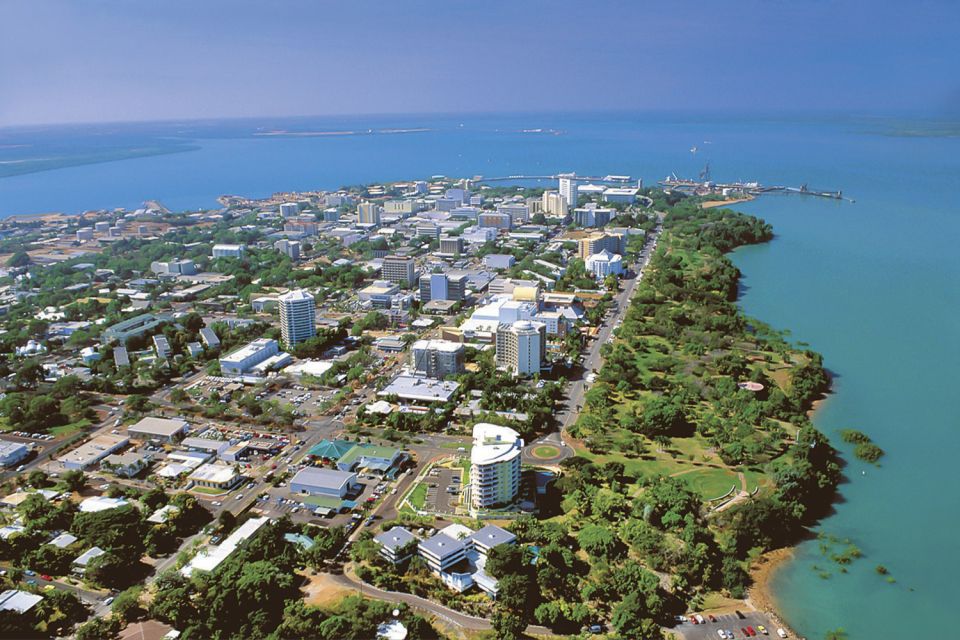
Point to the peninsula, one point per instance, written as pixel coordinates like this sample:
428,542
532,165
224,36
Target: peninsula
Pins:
431,408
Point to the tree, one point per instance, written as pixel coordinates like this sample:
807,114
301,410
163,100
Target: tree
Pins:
19,259
507,625
226,521
599,542
38,479
74,480
126,606
631,619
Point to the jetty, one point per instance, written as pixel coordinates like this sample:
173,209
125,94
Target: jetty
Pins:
708,187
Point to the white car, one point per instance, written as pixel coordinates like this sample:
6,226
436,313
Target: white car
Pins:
781,633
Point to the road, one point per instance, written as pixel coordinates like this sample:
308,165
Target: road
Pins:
455,618
592,360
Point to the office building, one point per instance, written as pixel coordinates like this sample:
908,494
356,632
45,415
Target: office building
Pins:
174,267
568,189
215,475
456,287
436,358
618,194
494,466
93,451
397,544
400,270
498,261
401,208
228,251
519,212
132,327
451,245
521,347
158,429
428,230
604,264
495,220
441,552
247,357
290,248
298,317
368,213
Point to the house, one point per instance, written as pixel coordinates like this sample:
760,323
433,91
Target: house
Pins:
101,503
18,601
125,465
81,562
63,540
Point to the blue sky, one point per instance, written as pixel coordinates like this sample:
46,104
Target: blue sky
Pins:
115,60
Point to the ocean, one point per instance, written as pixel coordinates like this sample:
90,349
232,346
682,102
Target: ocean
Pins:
873,285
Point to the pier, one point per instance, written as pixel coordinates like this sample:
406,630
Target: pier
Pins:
747,188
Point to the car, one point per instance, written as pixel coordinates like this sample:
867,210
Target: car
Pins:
693,620
782,633
743,630
216,503
108,600
762,629
595,628
712,619
49,587
751,631
21,468
46,577
28,572
239,496
31,581
700,619
740,614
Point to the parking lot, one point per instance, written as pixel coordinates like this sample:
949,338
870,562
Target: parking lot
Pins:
731,624
443,490
280,502
305,402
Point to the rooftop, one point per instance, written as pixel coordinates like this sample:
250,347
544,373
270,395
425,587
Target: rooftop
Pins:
493,443
159,426
395,538
417,388
441,545
323,478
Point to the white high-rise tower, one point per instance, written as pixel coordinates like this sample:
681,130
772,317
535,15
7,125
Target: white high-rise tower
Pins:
298,317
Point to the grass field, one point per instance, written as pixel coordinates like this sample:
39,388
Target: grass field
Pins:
546,452
210,491
418,496
70,429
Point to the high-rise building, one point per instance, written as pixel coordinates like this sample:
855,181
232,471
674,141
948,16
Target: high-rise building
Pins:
456,287
554,204
568,189
368,213
400,270
289,209
495,220
519,212
521,347
298,317
494,466
451,245
291,248
597,242
436,358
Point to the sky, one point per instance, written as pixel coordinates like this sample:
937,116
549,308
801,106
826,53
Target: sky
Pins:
133,60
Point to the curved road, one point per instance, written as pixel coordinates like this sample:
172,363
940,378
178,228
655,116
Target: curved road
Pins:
449,615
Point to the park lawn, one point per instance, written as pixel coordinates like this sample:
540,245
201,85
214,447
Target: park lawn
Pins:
418,496
70,429
456,445
711,483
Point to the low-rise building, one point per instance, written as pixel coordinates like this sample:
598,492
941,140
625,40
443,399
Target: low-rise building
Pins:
209,558
397,545
247,357
420,389
436,358
12,452
158,429
93,451
215,475
314,481
126,464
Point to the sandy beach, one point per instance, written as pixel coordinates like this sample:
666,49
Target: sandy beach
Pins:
760,595
725,203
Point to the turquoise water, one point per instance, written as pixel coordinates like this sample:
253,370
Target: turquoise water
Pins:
872,285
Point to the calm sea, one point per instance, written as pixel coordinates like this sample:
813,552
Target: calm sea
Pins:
872,285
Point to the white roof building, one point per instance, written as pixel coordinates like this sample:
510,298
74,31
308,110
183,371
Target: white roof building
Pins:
210,558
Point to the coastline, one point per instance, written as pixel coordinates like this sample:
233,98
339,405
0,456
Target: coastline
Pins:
711,204
761,595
